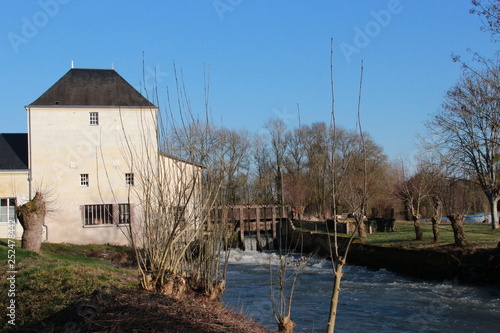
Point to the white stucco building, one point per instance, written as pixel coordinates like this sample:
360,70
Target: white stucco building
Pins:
91,139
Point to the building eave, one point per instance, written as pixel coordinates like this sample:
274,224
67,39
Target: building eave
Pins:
201,166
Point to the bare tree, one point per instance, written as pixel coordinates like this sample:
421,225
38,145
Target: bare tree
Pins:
317,174
339,256
285,278
279,144
262,189
177,237
351,161
296,160
489,11
455,208
234,147
466,131
436,217
295,194
414,189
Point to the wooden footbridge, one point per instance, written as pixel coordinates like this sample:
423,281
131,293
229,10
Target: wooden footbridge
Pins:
262,222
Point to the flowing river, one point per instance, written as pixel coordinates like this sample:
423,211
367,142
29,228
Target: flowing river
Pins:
370,301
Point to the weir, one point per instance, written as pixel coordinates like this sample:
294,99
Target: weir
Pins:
259,223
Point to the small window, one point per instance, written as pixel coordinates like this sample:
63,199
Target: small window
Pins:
7,209
84,179
123,213
129,179
98,214
94,118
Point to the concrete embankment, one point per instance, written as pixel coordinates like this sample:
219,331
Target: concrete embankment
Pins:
438,263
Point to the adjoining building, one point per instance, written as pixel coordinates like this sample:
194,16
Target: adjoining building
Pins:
14,174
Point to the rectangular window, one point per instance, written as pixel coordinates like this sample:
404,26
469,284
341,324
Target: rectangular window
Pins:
98,214
7,209
129,179
94,118
123,213
84,179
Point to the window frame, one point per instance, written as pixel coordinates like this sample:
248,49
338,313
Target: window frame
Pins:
84,180
94,118
129,179
10,209
124,213
98,215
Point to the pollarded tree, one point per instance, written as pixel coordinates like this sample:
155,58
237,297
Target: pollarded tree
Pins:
415,189
453,193
31,215
466,132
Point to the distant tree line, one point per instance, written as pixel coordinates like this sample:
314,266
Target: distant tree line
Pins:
293,167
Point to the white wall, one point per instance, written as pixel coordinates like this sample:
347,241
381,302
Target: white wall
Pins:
63,145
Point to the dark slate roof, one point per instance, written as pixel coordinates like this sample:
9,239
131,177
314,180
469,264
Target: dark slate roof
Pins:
92,87
14,151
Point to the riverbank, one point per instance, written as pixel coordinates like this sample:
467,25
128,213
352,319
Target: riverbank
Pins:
94,289
443,261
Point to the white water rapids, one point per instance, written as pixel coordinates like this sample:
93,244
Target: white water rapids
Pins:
370,301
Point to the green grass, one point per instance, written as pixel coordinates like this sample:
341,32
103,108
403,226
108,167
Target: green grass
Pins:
59,276
478,234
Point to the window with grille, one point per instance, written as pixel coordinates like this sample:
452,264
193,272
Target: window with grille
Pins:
98,214
94,118
129,179
123,213
7,209
84,179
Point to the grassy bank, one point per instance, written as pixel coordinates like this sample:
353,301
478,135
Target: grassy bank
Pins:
94,288
479,235
398,251
62,275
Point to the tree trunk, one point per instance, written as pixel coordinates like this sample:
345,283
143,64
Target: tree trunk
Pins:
436,218
494,213
286,325
418,230
457,223
435,228
335,295
31,215
360,222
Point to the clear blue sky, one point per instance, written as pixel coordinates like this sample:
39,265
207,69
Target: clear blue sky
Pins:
265,56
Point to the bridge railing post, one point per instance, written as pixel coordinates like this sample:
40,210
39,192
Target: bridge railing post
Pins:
242,229
257,228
